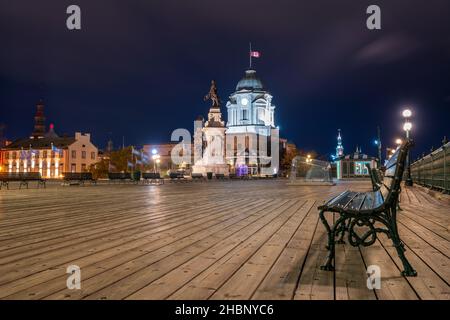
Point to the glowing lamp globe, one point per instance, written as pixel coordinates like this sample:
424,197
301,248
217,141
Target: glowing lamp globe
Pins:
407,126
406,113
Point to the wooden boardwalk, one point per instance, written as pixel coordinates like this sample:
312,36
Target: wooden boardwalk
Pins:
216,240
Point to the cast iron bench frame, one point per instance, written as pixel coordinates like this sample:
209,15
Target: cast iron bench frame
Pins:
152,178
364,209
219,176
81,177
177,177
198,177
22,177
119,176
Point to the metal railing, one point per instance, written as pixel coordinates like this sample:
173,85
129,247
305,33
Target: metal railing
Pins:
433,170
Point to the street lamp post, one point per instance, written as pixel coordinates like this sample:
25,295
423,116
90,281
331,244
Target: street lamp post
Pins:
407,126
156,159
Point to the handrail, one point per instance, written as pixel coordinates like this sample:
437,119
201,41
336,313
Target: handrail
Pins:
432,170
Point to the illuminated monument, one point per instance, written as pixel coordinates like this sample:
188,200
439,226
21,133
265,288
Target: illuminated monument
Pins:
209,139
248,143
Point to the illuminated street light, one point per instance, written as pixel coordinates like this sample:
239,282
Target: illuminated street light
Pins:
156,159
398,141
407,126
407,113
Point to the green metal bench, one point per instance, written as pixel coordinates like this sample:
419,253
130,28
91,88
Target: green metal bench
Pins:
22,177
80,177
374,211
152,178
119,176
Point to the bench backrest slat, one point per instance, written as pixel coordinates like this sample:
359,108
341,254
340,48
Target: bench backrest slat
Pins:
20,176
395,166
151,175
119,175
77,175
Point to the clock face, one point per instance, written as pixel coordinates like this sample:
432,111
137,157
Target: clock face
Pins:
244,101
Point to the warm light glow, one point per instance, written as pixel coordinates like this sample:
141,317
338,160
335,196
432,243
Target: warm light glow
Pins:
398,141
407,126
406,113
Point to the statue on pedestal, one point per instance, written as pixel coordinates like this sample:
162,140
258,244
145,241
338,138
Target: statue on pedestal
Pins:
213,96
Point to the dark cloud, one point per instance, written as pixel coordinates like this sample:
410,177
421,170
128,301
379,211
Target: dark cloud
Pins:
387,49
140,68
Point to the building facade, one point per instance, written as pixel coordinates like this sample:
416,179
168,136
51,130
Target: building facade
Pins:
163,162
47,153
251,132
354,165
248,142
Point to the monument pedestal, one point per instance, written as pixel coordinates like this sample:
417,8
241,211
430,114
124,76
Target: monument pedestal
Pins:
215,169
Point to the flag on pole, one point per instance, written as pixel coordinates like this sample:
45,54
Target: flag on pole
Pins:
255,54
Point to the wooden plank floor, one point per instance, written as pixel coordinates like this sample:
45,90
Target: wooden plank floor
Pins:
215,240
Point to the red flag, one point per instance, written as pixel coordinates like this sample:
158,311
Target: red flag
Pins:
255,54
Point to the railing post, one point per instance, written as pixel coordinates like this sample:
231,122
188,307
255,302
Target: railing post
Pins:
445,168
432,170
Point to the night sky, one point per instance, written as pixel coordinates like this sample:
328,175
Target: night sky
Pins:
140,69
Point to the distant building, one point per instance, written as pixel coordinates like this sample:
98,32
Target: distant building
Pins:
339,147
47,153
352,165
164,151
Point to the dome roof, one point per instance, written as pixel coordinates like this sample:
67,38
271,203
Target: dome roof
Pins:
250,82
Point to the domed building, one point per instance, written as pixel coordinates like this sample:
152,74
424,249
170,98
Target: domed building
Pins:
248,142
251,128
250,105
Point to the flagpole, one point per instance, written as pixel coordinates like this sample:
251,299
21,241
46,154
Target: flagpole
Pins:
250,54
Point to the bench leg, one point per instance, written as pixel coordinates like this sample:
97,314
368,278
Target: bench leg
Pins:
342,231
328,266
408,270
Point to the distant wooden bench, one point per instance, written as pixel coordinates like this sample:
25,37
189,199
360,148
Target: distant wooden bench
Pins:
80,177
119,176
152,177
373,212
198,177
22,177
177,177
220,176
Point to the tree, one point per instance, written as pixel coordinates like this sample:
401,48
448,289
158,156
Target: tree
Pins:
114,161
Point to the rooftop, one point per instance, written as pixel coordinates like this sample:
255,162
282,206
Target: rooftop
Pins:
250,81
